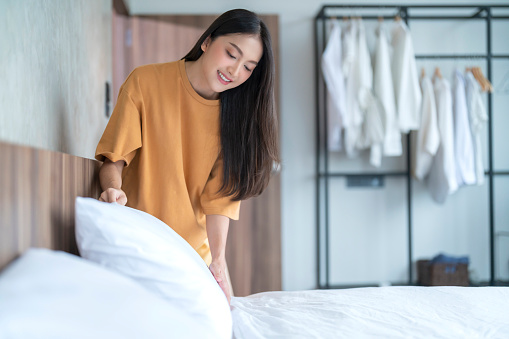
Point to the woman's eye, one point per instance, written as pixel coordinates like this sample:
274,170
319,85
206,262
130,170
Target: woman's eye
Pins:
247,69
230,55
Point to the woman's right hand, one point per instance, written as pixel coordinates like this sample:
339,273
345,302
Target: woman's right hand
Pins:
114,195
110,176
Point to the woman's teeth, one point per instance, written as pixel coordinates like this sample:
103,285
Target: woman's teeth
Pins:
223,77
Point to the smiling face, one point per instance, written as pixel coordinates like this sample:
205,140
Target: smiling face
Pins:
229,60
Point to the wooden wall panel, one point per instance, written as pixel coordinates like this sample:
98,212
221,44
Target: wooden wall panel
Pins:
39,188
254,242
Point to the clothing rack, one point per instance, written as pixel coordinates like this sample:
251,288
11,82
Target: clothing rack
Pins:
327,12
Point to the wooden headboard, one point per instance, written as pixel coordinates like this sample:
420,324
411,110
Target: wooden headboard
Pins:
38,189
37,193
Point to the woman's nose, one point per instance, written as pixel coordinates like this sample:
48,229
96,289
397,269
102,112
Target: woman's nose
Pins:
234,69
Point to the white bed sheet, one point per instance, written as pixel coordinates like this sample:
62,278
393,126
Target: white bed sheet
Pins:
374,312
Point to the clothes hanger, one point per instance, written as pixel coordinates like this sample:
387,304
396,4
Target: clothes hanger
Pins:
476,76
423,72
438,73
486,85
333,19
479,80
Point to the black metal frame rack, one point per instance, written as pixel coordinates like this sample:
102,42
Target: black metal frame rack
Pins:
478,12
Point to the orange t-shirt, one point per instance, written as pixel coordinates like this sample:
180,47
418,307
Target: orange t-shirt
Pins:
169,137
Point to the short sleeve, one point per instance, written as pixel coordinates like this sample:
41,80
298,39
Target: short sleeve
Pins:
123,134
214,203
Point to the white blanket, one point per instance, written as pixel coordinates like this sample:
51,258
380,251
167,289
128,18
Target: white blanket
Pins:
375,312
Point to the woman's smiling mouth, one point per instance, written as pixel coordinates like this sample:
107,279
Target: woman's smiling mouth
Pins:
222,78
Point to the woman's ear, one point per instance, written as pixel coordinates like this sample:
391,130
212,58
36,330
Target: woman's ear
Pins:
205,44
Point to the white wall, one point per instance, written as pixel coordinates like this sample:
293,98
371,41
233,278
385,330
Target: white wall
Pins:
298,173
55,57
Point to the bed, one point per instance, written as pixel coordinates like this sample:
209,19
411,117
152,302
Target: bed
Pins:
375,312
121,287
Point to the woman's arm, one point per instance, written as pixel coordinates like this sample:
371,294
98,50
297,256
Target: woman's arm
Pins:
110,176
217,232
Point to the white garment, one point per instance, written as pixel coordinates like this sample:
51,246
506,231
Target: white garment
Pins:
372,130
463,143
406,81
428,136
353,117
333,75
442,176
478,118
383,88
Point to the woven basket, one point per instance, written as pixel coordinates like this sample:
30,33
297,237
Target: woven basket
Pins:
442,274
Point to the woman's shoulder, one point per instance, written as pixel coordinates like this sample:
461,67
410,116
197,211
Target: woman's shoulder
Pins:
157,69
150,76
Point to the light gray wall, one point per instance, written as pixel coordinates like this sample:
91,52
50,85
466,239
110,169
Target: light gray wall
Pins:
362,254
55,57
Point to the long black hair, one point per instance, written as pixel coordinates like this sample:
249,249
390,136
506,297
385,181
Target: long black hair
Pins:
249,131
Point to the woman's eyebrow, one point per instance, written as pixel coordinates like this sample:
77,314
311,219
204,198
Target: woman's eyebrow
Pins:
240,52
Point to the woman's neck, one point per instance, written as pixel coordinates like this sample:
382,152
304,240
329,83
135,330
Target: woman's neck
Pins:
198,81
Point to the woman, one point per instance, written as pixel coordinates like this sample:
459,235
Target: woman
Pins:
188,140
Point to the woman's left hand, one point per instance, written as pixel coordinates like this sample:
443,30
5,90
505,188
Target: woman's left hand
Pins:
218,270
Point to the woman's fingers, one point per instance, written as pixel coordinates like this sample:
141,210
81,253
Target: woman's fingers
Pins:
219,274
113,195
122,200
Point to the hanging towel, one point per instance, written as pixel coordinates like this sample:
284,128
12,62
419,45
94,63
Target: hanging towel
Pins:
333,75
353,118
442,176
406,82
464,146
478,118
383,88
428,135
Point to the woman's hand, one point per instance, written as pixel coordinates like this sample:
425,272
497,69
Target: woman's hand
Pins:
218,270
110,176
114,195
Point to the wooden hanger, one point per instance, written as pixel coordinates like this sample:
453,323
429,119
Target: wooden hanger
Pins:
423,72
487,83
397,18
479,76
438,73
479,80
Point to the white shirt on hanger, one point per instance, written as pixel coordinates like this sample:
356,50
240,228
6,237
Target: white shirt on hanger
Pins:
441,180
478,118
428,135
406,81
383,89
372,131
333,74
372,123
464,146
353,117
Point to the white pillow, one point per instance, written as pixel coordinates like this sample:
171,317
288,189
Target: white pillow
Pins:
144,248
51,294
